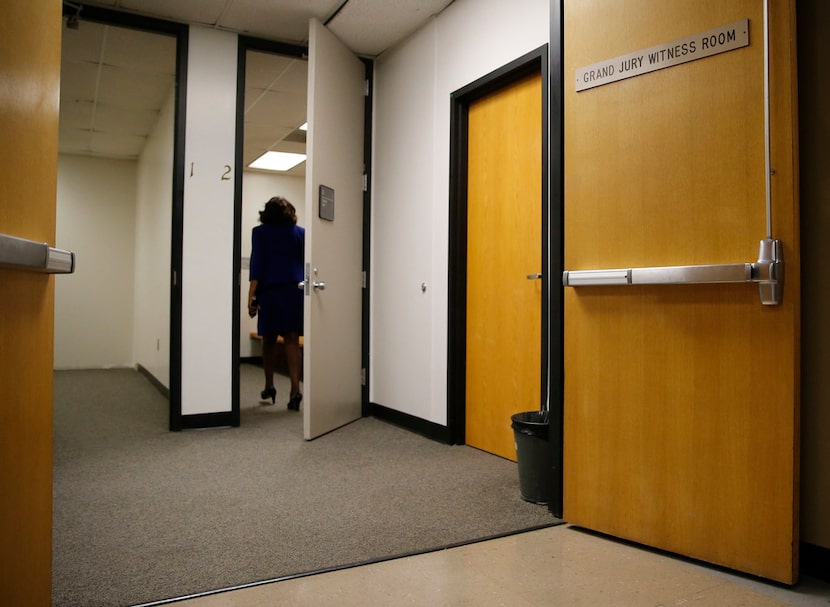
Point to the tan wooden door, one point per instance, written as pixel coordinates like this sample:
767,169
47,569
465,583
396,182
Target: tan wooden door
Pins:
30,38
681,402
504,245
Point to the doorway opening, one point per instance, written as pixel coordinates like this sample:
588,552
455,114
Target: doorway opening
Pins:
120,112
271,117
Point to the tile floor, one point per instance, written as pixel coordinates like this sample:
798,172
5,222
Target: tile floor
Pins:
556,566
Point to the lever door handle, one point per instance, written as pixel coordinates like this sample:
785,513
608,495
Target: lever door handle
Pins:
534,276
319,286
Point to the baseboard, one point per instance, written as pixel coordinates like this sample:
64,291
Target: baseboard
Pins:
815,561
153,380
203,421
420,426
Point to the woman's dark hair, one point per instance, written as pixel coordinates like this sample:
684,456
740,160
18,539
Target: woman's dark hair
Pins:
278,211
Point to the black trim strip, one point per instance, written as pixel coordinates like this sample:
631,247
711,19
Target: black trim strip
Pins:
200,421
418,425
176,233
247,43
123,19
556,257
367,234
153,380
236,277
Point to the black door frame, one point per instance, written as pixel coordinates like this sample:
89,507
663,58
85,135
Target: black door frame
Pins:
550,371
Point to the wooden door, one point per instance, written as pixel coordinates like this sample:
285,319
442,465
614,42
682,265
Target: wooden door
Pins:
504,247
334,251
30,64
681,402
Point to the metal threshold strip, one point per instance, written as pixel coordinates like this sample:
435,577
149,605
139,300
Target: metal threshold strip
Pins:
22,254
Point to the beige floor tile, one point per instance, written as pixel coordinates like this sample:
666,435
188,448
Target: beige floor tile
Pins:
556,566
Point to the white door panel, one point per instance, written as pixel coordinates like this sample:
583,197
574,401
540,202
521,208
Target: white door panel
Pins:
333,314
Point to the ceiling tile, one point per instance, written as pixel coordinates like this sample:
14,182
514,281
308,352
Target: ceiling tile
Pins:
113,145
279,109
141,51
78,81
137,70
134,90
75,113
369,27
285,20
124,121
84,43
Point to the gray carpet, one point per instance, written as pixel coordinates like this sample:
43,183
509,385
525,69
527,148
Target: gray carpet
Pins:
142,514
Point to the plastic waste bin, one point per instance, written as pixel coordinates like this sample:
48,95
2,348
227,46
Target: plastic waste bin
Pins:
535,456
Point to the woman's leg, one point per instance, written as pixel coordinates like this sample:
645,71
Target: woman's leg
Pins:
269,359
293,359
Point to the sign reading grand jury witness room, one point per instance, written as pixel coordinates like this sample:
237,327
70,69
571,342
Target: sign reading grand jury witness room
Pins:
697,46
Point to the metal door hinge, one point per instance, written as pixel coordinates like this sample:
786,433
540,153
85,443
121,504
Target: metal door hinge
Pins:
365,182
363,376
365,88
363,278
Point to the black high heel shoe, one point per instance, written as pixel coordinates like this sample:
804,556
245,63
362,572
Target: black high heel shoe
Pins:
269,393
294,401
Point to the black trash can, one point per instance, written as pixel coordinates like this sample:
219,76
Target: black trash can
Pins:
535,456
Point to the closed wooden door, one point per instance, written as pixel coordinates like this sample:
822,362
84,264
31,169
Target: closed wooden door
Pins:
504,247
681,402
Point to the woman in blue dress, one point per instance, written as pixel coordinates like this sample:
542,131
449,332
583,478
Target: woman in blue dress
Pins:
277,255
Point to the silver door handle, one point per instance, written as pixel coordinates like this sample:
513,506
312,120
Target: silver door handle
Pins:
23,254
767,272
534,276
318,286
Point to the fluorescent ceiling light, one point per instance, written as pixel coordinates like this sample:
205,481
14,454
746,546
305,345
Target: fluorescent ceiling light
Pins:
277,161
303,126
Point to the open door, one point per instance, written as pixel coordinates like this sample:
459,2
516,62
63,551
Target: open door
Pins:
681,400
334,234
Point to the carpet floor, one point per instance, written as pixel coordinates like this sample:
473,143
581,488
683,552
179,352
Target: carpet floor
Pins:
142,514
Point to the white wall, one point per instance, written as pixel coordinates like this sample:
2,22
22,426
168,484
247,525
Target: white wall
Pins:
257,189
94,305
207,281
153,221
410,189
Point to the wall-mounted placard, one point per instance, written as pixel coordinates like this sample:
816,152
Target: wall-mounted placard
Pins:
326,203
697,46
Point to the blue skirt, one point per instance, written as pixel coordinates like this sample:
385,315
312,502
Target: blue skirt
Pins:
280,309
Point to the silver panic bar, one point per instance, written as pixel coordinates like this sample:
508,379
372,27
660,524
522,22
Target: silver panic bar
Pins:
22,254
768,272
